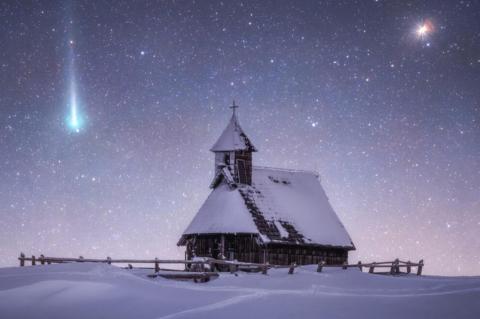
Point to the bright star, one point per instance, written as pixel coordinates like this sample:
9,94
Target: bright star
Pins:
424,29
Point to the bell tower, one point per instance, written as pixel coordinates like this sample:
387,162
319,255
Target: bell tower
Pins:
233,151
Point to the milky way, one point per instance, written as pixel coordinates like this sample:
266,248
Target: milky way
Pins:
387,116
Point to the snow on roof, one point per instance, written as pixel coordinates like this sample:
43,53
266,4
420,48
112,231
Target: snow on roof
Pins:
233,138
281,206
222,212
226,175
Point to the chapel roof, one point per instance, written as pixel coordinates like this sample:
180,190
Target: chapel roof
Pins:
281,206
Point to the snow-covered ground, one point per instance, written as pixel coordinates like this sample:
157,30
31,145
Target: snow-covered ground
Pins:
102,291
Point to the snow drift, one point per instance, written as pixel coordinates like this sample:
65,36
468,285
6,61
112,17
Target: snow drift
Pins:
84,290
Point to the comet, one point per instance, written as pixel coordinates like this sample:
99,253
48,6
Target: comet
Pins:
74,118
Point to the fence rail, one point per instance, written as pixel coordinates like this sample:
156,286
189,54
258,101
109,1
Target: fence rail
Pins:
206,267
394,266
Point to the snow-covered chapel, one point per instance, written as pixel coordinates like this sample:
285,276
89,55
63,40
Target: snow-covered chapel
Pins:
260,214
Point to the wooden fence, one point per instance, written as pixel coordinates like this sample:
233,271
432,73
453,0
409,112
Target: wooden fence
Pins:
392,267
203,270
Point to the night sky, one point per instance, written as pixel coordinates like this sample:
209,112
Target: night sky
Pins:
109,108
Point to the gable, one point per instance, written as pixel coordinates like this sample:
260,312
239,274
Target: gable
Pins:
223,211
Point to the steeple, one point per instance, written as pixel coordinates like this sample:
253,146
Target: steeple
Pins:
233,151
233,138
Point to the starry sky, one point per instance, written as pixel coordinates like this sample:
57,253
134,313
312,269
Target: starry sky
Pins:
380,97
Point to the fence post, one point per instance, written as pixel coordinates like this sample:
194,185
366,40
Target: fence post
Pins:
419,268
264,269
22,259
393,268
42,259
292,268
157,266
372,268
360,266
409,267
212,266
320,266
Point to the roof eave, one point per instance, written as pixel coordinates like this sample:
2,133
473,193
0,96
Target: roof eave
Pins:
311,244
183,239
251,149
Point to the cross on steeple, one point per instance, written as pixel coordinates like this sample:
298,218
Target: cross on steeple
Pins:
234,106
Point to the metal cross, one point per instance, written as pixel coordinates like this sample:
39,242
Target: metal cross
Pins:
233,107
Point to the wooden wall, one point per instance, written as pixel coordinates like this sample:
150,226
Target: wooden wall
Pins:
279,254
247,249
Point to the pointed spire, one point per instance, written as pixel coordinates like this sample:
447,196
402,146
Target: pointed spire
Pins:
233,138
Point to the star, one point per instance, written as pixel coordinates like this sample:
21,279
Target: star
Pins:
424,29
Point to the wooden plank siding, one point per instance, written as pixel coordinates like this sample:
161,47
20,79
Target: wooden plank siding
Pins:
243,167
246,248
